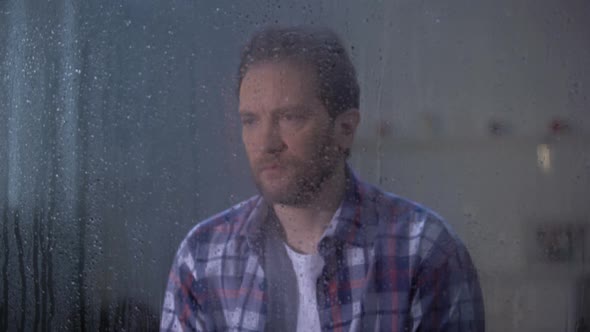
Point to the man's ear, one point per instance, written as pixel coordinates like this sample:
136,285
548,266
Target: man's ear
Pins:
345,126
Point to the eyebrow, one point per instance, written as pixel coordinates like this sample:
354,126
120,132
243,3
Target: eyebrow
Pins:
281,110
245,113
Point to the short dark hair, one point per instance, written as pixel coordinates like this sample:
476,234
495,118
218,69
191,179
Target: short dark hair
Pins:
319,48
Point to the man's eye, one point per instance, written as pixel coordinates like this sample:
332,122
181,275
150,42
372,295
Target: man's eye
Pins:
293,117
247,121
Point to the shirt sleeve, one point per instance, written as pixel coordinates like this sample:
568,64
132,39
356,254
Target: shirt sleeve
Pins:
181,310
447,294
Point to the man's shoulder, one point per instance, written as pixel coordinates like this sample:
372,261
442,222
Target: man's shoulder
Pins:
391,207
223,226
399,218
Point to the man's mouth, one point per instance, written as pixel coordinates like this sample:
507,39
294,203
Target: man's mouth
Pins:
271,166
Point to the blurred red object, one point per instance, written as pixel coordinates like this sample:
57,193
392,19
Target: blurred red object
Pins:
559,126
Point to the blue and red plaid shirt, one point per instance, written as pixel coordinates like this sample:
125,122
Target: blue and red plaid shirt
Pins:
390,265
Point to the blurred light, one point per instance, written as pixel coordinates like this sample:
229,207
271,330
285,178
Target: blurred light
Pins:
544,157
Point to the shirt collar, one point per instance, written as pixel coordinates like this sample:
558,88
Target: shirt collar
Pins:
356,219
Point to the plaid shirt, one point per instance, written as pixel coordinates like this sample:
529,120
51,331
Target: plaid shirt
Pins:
390,265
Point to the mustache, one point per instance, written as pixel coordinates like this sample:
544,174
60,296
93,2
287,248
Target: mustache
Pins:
267,162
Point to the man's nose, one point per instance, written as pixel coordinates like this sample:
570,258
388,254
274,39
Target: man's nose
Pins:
272,140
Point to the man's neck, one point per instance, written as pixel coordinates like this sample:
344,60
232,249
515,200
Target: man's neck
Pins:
305,225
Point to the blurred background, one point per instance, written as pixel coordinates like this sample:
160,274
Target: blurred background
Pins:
119,132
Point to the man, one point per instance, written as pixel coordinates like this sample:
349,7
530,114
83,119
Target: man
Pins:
318,249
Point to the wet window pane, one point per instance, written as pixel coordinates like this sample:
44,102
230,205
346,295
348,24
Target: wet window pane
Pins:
120,132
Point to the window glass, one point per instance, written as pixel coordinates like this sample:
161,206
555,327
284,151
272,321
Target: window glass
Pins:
120,132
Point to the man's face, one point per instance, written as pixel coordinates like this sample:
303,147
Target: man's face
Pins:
287,132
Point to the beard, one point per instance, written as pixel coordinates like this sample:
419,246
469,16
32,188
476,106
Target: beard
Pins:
297,181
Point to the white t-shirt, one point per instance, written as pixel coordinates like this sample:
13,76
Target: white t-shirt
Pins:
307,270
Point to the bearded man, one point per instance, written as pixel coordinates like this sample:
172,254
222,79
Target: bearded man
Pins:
318,249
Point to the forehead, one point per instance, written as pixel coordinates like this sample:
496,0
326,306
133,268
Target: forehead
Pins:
275,85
